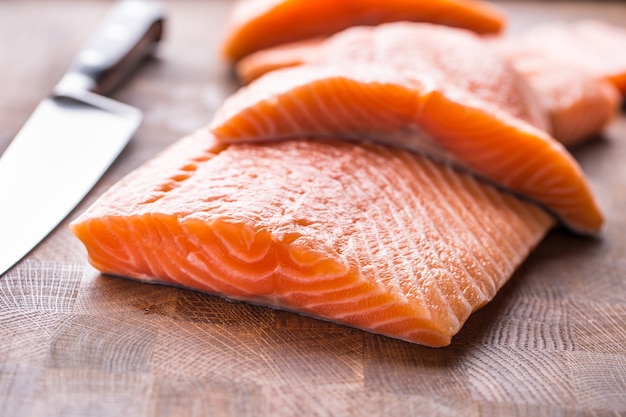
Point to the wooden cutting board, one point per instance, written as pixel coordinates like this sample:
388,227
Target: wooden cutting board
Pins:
75,343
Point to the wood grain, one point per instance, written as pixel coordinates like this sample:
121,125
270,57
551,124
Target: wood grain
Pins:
75,343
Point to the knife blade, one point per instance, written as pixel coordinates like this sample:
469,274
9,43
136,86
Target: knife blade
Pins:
76,133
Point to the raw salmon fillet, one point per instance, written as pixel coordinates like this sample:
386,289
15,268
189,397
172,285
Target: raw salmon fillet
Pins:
578,70
259,24
313,51
577,105
447,58
592,47
373,237
447,96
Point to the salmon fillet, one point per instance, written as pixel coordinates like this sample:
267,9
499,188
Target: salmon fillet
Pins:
577,69
448,58
592,47
450,98
311,51
260,24
369,236
578,105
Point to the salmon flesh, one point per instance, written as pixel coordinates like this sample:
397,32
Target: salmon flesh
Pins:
448,96
259,24
368,236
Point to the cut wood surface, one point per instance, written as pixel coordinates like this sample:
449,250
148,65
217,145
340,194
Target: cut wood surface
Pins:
76,343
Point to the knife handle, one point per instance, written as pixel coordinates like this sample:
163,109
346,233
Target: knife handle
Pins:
128,34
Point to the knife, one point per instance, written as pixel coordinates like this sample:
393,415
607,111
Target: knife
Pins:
74,135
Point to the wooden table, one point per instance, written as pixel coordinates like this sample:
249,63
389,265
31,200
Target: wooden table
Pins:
75,343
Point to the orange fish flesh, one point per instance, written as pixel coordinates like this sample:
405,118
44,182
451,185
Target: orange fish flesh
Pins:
577,69
373,237
260,24
451,98
578,106
592,47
